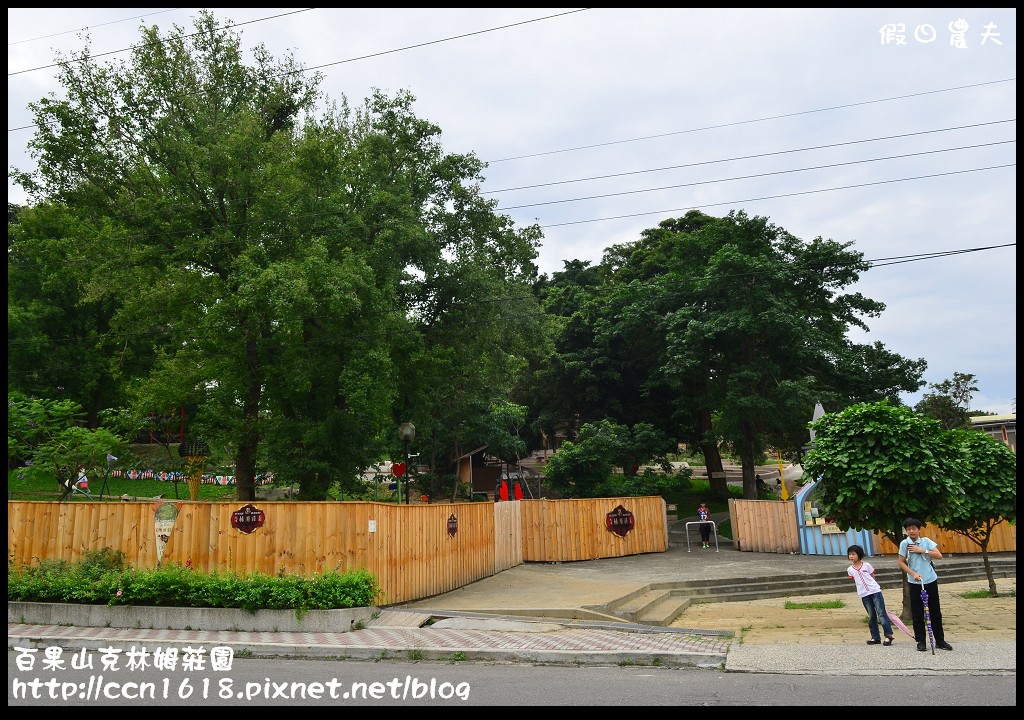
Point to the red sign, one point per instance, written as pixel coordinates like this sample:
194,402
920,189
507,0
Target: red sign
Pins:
398,469
453,525
620,521
248,518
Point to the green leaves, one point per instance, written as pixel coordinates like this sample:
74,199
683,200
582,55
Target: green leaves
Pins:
301,278
44,437
585,467
878,463
990,485
103,578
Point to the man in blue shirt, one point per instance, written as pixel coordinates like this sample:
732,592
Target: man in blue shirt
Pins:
916,555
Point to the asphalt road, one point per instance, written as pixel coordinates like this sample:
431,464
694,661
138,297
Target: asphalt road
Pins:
257,683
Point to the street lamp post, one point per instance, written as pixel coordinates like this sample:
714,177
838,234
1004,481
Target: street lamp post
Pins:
406,433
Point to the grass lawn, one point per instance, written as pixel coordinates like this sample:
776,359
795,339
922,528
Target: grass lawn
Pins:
700,491
24,489
686,502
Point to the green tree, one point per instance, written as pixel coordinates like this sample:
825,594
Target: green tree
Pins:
304,278
990,492
585,467
731,329
502,430
951,401
568,382
60,343
47,439
877,464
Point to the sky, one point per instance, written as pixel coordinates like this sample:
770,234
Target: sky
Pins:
893,129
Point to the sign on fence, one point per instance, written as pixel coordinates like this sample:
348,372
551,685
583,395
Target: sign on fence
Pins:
620,521
248,518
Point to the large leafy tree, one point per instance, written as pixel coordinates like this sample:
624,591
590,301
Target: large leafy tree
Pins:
950,401
771,313
585,467
731,329
47,439
990,492
60,343
305,278
877,464
568,382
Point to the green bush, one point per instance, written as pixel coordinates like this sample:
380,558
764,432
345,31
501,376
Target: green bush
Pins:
103,578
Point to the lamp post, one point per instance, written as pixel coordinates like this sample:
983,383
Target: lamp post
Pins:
406,433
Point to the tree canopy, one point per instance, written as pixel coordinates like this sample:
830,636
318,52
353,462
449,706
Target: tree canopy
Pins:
305,275
949,401
717,329
990,491
877,464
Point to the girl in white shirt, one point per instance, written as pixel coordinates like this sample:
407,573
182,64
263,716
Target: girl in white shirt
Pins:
870,593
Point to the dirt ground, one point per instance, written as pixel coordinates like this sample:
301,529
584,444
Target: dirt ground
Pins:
768,621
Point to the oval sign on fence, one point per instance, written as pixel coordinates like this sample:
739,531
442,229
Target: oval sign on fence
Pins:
247,518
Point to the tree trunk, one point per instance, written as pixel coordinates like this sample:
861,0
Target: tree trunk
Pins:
905,615
713,465
245,463
747,463
988,568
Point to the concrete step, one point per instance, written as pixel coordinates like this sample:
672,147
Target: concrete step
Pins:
665,611
826,583
661,604
632,606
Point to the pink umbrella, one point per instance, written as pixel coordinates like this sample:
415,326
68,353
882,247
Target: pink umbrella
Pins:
895,619
927,617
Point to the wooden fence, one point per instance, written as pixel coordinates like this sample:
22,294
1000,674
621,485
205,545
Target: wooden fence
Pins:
770,526
567,530
415,551
1004,539
763,526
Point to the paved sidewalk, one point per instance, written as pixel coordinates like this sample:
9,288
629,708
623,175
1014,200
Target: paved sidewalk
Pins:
482,641
532,613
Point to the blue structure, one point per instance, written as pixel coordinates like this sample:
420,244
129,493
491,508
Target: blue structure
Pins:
815,541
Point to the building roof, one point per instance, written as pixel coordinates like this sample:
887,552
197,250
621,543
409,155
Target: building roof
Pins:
470,453
993,419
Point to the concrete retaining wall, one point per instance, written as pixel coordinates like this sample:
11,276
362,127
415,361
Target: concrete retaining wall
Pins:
181,618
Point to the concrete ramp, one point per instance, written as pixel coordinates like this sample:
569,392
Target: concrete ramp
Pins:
399,618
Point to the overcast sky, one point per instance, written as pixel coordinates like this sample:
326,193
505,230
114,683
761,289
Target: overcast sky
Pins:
894,129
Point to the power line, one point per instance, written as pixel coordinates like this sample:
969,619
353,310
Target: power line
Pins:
327,214
748,157
434,42
90,27
747,122
879,262
749,177
317,67
333,213
154,43
775,197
